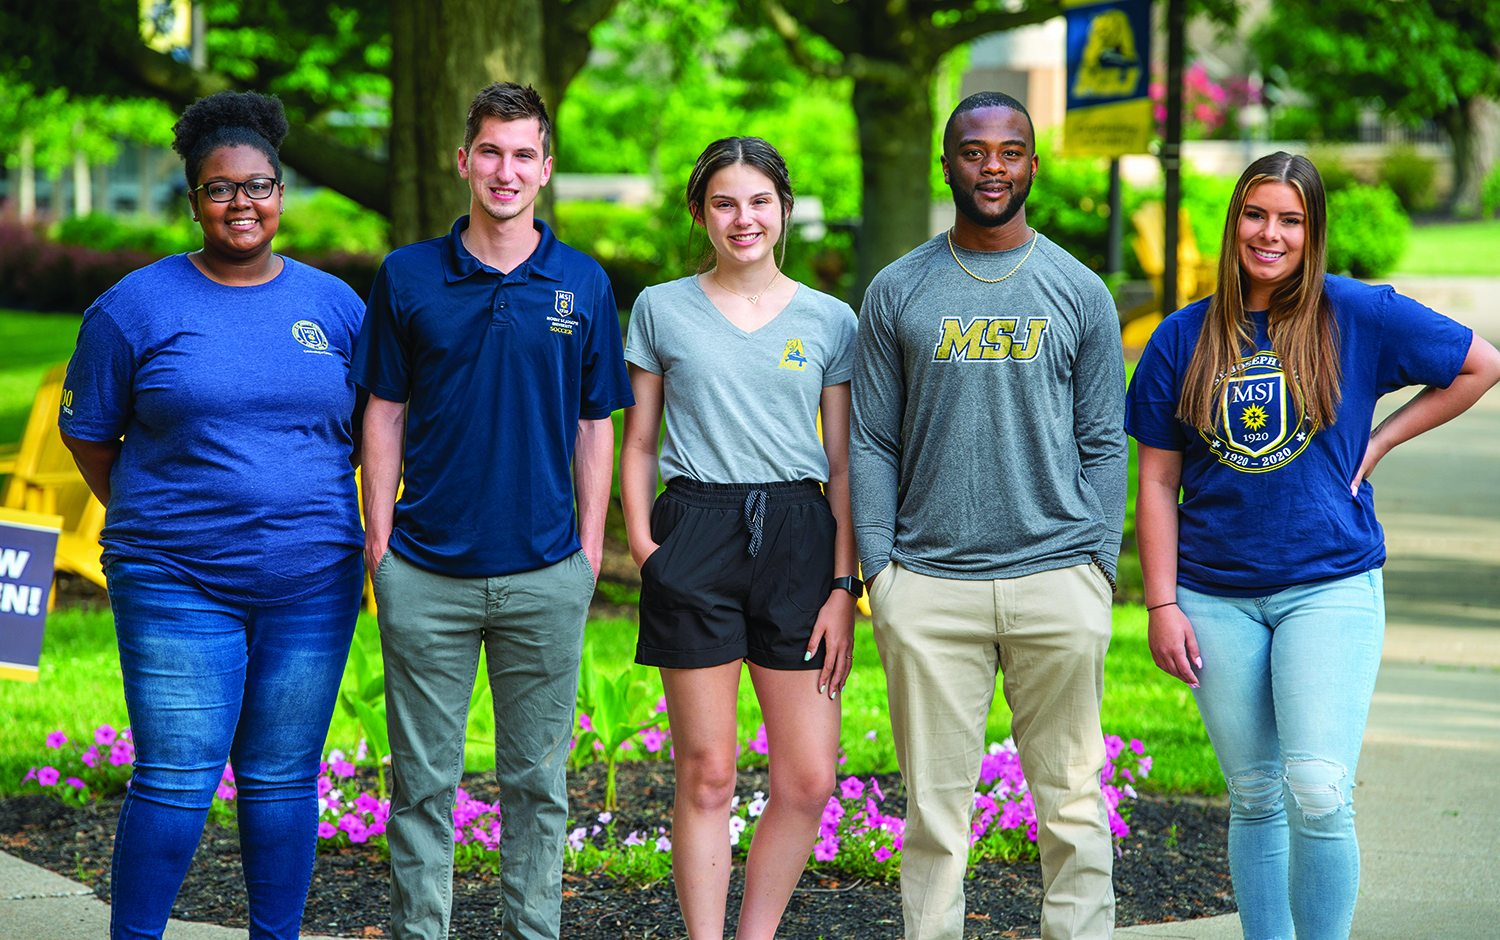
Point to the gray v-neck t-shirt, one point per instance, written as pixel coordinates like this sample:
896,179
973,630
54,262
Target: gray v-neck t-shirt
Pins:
741,407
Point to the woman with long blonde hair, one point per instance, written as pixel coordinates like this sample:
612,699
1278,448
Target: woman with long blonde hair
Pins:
1254,406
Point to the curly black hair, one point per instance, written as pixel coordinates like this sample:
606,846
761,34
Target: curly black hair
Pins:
229,119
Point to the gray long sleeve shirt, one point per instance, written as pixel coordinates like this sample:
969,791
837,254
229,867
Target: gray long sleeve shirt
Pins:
988,436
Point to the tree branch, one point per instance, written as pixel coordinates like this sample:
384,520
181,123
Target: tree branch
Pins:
322,160
854,64
1037,11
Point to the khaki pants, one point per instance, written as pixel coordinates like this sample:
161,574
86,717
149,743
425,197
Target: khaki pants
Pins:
941,641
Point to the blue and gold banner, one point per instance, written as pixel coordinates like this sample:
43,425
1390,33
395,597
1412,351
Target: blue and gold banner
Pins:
1109,74
28,541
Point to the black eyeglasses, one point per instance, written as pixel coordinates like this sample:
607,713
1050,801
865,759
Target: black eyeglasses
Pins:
224,190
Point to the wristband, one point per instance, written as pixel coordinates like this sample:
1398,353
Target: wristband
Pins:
1160,606
851,584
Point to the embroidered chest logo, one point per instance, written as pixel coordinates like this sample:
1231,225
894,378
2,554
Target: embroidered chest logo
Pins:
311,335
1255,429
793,356
990,338
563,322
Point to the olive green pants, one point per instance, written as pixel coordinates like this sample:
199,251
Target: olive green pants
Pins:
431,629
941,641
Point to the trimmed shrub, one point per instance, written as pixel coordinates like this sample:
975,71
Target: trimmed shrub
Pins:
1410,176
37,273
1490,195
1367,231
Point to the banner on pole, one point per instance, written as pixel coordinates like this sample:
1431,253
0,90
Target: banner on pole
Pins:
1109,75
28,547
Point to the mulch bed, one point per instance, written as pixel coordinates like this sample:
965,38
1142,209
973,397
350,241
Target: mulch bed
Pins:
1172,866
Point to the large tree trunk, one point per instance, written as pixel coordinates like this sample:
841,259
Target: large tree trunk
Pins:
443,52
1473,129
895,149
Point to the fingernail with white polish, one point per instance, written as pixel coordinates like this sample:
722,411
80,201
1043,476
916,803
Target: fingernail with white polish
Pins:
806,656
822,689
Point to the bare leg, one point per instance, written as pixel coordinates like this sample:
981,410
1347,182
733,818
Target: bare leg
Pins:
802,729
701,708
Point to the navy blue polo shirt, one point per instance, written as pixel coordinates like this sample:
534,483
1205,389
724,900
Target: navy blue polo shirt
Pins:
496,370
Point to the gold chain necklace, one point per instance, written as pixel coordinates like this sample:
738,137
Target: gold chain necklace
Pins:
753,298
989,280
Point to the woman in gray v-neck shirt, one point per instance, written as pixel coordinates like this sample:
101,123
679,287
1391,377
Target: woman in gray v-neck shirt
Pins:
749,553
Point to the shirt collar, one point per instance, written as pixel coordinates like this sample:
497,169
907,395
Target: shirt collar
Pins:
545,261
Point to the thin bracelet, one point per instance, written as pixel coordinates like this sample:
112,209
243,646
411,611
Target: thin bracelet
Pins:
1160,606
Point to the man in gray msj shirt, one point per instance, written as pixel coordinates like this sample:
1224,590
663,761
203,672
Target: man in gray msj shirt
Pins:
987,470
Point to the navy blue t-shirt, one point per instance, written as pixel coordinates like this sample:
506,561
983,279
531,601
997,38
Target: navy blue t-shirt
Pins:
235,405
496,370
1265,499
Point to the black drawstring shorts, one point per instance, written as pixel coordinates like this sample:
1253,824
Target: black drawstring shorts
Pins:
742,571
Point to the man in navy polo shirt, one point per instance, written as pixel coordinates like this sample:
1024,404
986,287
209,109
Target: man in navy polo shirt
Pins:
493,360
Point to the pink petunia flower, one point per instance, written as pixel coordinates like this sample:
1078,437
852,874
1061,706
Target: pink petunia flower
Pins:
75,783
104,735
56,739
653,739
90,757
758,744
635,838
327,830
851,788
826,848
47,776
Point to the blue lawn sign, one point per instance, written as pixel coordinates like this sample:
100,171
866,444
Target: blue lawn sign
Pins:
1109,77
28,544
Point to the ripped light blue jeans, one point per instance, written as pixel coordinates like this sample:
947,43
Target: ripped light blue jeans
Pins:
1284,692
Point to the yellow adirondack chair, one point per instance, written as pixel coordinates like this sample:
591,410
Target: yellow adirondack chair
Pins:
1196,273
44,479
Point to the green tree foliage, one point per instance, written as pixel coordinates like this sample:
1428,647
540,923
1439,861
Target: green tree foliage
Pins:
667,79
340,67
1419,59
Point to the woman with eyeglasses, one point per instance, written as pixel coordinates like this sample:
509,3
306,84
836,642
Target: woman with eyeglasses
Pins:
209,407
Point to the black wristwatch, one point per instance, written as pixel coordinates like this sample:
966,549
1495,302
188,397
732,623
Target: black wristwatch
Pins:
851,584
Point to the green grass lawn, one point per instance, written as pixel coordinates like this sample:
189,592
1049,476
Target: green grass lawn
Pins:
30,343
80,684
80,688
1458,248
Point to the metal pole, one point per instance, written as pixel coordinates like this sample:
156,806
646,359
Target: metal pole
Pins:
1171,153
1115,259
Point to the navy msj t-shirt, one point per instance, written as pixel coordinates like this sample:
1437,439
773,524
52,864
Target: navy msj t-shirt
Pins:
1265,498
496,371
235,405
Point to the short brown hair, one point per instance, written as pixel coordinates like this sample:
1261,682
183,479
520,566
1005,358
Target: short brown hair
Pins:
508,102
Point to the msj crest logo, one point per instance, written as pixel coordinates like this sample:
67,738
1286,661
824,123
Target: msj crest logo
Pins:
564,303
1256,429
311,335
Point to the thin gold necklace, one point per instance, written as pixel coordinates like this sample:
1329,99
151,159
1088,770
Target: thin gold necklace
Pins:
990,280
753,298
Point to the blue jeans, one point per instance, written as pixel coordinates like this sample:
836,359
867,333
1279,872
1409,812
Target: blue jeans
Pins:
1284,692
208,681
